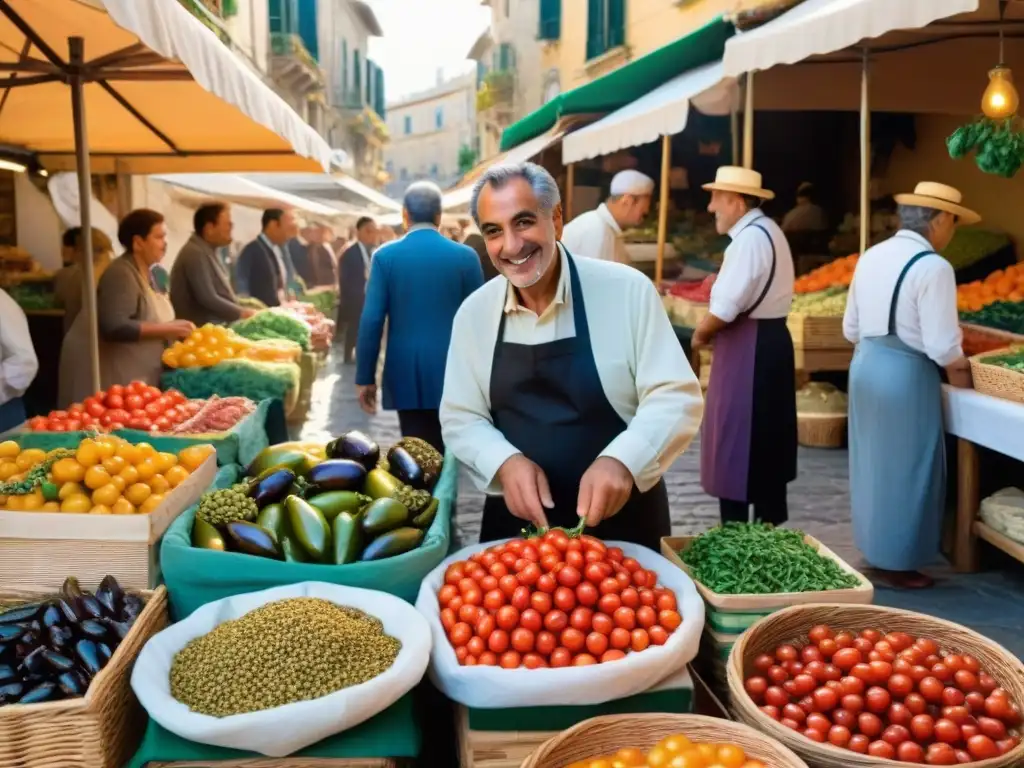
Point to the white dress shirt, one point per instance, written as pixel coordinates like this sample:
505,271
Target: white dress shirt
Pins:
746,268
926,314
366,259
642,368
596,234
18,362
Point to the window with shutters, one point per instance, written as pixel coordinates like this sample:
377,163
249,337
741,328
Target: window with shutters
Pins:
378,85
550,20
343,75
307,27
357,76
408,124
606,26
283,16
439,118
506,58
370,67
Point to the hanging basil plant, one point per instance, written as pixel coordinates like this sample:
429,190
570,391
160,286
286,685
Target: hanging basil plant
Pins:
998,145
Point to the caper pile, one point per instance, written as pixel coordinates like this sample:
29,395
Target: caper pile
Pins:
283,652
224,505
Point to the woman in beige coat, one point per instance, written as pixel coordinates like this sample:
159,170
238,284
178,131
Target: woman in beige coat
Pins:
135,319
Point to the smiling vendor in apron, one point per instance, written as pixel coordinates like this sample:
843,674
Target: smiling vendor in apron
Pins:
566,392
748,441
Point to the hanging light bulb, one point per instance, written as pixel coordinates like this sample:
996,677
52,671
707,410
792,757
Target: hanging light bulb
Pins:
1001,98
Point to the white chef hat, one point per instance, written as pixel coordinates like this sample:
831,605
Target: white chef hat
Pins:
631,182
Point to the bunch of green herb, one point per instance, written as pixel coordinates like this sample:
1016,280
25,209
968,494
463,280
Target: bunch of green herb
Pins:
759,559
998,145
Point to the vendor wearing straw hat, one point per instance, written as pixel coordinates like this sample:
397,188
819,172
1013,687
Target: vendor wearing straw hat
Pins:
748,439
902,315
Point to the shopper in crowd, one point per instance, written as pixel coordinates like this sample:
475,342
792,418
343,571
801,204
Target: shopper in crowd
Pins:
417,284
323,264
18,362
473,238
806,216
69,282
748,442
263,263
135,319
902,315
200,287
386,234
68,246
354,271
598,233
566,392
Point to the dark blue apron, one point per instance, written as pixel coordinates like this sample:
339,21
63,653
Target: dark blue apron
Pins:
547,400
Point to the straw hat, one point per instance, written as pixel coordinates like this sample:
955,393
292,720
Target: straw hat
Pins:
940,197
743,181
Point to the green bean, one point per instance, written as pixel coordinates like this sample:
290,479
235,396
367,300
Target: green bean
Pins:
759,559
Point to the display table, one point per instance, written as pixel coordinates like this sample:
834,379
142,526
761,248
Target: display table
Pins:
979,420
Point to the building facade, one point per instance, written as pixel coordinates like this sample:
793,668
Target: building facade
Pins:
432,135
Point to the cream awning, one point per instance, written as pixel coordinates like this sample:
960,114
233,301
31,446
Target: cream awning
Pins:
818,27
662,112
331,187
162,94
237,189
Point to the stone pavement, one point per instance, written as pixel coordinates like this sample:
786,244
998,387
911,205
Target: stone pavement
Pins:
991,602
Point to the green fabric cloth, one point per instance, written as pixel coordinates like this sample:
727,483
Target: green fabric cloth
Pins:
627,83
392,733
195,577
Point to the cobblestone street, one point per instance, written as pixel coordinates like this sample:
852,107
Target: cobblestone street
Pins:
992,602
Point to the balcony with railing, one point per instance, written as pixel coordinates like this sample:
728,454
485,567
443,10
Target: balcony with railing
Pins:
495,99
292,65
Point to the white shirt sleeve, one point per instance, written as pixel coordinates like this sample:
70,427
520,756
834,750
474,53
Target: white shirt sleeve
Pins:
465,410
940,323
743,275
670,405
18,362
589,237
851,320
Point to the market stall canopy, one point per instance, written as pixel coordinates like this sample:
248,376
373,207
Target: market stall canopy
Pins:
330,188
662,112
822,26
63,189
625,84
238,189
162,92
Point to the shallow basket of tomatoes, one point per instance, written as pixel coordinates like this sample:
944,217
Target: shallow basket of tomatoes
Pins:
604,736
924,681
638,669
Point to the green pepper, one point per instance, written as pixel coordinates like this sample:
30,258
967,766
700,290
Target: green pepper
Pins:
309,527
50,491
347,538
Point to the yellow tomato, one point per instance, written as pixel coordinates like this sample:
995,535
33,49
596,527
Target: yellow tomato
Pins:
29,458
9,449
67,471
33,501
118,482
187,360
630,756
88,453
731,756
106,494
192,457
165,461
8,469
146,469
659,757
708,751
146,450
101,509
151,503
176,475
3,500
754,764
96,477
129,474
123,507
114,464
159,484
600,763
676,744
50,506
130,453
15,503
691,759
137,493
77,503
69,489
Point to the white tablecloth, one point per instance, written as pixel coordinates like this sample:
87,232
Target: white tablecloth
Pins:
987,421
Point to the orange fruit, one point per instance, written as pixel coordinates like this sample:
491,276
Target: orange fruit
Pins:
175,475
96,477
138,493
76,503
151,503
101,509
159,484
192,457
123,507
146,469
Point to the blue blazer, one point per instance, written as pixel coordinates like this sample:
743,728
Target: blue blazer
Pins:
417,284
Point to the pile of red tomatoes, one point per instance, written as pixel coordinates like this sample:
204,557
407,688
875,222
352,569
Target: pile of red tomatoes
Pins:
135,406
553,601
886,695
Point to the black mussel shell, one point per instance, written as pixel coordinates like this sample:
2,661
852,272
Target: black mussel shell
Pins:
93,628
6,673
42,692
105,652
21,614
71,589
89,655
11,692
35,662
52,615
59,636
58,661
70,610
90,606
109,593
121,628
9,632
72,684
132,607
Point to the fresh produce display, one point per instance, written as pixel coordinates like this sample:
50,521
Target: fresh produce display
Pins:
977,341
1001,315
52,649
336,510
835,274
830,302
322,333
218,414
886,695
325,299
970,245
136,406
33,296
104,475
283,652
243,378
819,397
213,344
1013,361
556,599
274,324
251,302
759,559
675,751
693,290
1002,285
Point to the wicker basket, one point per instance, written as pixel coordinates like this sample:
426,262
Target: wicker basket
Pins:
285,762
815,332
995,380
821,430
993,338
606,735
792,624
101,729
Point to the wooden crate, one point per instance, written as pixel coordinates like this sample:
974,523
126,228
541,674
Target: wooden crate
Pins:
812,332
39,549
284,762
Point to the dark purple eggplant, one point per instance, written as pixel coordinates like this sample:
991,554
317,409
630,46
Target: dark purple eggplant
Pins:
89,606
272,487
21,614
252,539
131,608
42,692
71,589
337,475
356,446
51,615
89,656
7,673
94,629
59,637
110,594
404,467
35,662
58,661
11,692
72,684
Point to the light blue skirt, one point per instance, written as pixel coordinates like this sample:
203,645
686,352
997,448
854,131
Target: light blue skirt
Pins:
897,454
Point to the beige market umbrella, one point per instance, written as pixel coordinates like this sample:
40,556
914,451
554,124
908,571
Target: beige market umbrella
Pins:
141,86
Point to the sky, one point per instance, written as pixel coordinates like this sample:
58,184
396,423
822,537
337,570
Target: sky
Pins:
421,36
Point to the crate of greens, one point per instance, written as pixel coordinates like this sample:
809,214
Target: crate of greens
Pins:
1000,373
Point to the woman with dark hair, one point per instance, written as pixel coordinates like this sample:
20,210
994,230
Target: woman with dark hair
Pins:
134,315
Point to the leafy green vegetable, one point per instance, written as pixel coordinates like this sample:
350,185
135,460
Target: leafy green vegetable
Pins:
970,245
997,145
241,378
1013,361
1002,315
759,559
273,324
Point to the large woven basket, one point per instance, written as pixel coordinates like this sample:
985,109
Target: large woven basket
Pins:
792,624
101,729
821,430
606,735
284,762
995,380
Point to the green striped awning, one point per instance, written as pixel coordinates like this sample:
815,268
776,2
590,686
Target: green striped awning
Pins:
627,83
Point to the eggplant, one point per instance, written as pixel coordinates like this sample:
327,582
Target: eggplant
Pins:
72,684
253,540
393,543
338,475
11,692
356,446
89,656
58,661
271,487
71,589
21,614
89,606
131,608
35,662
94,629
206,536
405,468
6,673
42,692
59,636
381,516
110,594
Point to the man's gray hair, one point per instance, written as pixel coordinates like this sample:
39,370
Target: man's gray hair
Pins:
422,202
543,184
917,218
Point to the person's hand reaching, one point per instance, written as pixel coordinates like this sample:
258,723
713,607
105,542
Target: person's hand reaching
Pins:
526,490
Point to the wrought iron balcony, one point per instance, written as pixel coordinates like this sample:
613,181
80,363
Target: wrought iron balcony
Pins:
292,65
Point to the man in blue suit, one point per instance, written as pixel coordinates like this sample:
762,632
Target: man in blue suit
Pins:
417,284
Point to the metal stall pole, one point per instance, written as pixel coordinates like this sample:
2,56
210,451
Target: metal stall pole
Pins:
570,184
865,155
666,173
